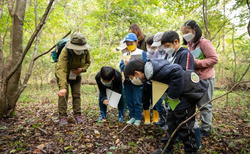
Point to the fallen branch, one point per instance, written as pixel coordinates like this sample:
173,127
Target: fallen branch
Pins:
197,112
141,149
42,130
124,128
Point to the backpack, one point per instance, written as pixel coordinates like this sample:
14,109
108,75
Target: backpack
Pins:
59,46
194,87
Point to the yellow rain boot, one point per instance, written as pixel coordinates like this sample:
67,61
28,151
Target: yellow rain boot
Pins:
155,116
146,117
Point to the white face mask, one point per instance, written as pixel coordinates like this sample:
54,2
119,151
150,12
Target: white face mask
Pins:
136,81
78,52
160,48
169,51
188,37
150,51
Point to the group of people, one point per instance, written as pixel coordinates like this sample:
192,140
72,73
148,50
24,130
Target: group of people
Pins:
162,58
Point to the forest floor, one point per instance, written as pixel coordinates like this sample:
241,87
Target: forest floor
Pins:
35,127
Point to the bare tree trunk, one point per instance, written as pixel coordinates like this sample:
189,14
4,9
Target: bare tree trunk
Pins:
248,26
10,91
223,40
32,62
17,49
207,32
235,69
1,49
106,21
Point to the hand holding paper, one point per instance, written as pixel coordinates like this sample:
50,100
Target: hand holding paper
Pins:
113,98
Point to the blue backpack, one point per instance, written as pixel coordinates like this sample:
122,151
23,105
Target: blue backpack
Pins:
59,46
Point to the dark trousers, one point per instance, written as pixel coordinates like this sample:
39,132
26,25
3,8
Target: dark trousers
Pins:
185,132
75,86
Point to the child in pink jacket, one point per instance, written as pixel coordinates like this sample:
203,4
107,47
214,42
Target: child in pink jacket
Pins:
204,67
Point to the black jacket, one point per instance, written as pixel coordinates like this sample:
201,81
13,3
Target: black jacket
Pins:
115,86
173,75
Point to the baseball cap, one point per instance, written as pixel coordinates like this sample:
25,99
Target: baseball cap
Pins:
157,39
130,37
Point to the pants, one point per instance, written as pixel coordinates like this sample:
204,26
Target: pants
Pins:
206,117
134,99
147,99
103,108
185,132
124,97
75,86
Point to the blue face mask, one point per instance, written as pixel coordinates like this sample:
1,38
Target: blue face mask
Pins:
108,84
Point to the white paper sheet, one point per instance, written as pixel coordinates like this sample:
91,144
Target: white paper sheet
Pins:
113,98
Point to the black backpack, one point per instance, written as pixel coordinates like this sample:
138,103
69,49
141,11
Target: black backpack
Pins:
194,87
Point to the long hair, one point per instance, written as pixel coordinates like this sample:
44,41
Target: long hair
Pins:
137,31
194,26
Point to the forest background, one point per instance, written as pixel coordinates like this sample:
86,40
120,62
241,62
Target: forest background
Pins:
26,78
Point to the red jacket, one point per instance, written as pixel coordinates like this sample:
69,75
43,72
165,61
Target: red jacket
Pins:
204,68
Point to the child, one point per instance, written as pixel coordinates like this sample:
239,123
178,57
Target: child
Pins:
109,78
133,91
175,53
158,109
150,50
160,53
192,37
160,70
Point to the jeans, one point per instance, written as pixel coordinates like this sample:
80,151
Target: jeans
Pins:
134,99
103,108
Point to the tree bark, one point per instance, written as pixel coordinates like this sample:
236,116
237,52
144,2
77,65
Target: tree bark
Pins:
223,42
10,92
234,61
106,22
29,72
207,32
16,52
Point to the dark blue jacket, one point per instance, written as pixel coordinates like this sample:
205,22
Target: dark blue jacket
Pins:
115,86
184,58
173,75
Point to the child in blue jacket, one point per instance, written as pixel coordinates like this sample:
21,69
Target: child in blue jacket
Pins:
185,95
133,88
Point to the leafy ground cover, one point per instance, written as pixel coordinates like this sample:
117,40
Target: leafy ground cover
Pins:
35,127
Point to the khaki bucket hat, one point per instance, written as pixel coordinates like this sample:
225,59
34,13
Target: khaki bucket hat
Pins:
77,42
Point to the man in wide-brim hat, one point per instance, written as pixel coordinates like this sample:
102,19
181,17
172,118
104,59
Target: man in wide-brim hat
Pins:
73,60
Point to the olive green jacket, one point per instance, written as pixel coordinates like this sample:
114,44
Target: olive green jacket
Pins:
69,61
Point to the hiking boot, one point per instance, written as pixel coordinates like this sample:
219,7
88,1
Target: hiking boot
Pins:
137,123
63,121
79,119
131,121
